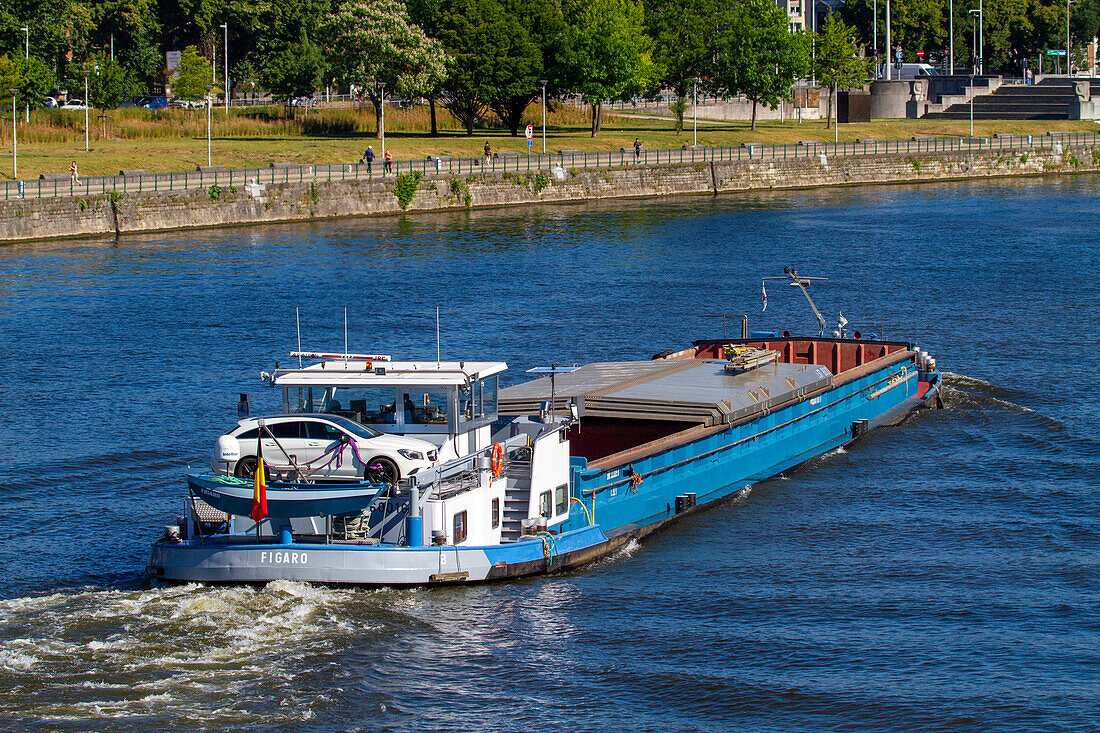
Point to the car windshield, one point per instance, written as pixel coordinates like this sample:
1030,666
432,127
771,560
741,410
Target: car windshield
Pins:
353,427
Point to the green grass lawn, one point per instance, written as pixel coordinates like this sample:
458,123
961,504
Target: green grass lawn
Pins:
177,141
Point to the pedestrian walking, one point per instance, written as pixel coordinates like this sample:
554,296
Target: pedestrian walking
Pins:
387,163
368,157
488,151
73,174
637,149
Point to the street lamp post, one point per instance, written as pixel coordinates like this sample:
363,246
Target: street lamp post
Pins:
813,42
874,29
694,112
225,79
1067,37
14,146
26,48
382,123
889,48
951,33
974,15
86,146
542,83
209,105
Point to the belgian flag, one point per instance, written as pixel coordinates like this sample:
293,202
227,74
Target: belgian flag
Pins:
259,485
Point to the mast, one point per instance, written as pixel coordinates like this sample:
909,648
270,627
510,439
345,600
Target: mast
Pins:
803,283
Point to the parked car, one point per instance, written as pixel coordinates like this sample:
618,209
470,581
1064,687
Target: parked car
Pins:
151,101
49,102
76,104
308,437
188,103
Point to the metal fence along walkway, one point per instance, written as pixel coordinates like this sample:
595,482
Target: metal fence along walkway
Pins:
223,179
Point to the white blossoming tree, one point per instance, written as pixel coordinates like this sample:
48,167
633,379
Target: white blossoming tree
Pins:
373,42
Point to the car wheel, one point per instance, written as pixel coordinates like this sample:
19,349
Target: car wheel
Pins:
246,467
387,471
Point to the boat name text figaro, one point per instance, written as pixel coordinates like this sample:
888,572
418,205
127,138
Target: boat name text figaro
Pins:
279,557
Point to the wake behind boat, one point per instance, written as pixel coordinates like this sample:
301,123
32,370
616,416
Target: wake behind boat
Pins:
535,478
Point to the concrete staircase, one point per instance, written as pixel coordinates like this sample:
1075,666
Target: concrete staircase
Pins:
517,497
1050,99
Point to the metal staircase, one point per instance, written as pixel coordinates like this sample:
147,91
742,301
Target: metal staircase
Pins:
517,495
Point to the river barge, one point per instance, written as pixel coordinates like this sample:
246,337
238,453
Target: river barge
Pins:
542,476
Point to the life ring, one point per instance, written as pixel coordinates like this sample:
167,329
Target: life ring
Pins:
497,461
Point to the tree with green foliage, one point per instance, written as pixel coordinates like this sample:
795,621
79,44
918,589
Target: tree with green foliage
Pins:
605,53
684,33
134,28
193,75
296,72
108,83
837,63
374,42
532,27
11,76
37,82
470,31
758,56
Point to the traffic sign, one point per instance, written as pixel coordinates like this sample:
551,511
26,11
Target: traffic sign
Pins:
529,132
920,54
897,54
1056,53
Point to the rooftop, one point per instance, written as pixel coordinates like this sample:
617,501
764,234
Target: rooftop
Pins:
363,373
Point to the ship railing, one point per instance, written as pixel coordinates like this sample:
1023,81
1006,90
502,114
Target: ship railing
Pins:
462,472
535,171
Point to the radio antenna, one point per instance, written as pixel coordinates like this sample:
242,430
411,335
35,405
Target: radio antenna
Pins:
345,333
298,324
437,335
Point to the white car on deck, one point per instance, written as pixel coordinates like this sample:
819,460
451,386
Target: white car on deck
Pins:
320,447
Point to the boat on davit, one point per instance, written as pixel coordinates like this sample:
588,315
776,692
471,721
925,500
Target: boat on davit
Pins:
466,481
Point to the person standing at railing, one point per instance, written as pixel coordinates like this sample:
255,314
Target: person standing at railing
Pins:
387,162
73,174
488,152
637,149
368,157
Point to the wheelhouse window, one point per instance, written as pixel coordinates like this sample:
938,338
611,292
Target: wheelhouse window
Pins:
496,513
367,405
561,499
544,505
478,401
426,408
459,527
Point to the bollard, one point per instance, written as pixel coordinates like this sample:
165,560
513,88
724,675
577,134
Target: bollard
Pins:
285,535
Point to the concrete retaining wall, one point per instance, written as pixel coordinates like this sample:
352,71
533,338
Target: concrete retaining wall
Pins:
110,214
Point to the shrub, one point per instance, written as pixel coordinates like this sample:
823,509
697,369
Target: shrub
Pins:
405,187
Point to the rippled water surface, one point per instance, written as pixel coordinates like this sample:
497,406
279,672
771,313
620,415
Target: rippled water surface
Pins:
940,575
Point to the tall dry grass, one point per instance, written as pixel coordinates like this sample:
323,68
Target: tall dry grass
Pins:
57,126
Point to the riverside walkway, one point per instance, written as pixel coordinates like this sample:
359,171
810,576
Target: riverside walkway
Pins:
446,166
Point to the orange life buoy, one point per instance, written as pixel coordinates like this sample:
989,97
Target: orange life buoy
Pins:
497,460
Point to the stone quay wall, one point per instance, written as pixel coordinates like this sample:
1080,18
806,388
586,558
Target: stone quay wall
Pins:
123,213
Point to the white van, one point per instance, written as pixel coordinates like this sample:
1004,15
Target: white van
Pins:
907,71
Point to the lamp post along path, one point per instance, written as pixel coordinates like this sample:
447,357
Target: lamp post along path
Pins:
382,124
86,146
542,83
209,105
14,144
695,111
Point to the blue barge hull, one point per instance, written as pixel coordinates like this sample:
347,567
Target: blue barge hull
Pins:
625,495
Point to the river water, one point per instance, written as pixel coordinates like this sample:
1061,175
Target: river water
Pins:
939,575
